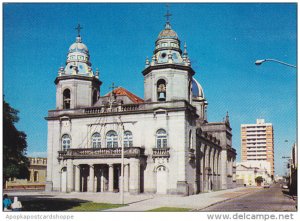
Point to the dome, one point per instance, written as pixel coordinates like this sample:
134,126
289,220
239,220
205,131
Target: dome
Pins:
78,46
78,59
168,33
197,89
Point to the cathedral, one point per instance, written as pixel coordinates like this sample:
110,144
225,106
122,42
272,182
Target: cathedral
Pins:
159,144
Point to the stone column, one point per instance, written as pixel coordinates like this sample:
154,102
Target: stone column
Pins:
231,172
102,181
206,170
219,171
110,178
77,178
95,184
126,177
216,171
134,182
31,175
202,166
70,176
223,170
91,179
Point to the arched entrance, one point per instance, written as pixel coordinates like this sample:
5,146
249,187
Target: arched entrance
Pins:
101,178
64,179
161,180
84,173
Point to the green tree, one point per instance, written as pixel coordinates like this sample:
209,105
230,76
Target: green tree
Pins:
259,180
15,162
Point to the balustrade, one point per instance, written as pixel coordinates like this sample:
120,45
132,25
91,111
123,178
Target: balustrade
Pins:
117,108
100,153
161,152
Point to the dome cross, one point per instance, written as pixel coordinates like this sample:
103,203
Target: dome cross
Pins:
168,15
78,28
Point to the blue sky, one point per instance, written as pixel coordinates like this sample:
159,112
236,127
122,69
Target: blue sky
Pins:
223,40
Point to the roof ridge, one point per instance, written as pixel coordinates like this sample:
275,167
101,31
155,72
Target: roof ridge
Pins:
123,91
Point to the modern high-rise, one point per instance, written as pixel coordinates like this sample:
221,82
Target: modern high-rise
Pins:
257,142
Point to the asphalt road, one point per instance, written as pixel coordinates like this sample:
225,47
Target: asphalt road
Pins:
266,200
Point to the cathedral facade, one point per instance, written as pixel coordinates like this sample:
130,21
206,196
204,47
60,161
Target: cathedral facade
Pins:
168,145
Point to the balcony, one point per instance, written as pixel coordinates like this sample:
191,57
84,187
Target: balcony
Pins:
92,153
161,152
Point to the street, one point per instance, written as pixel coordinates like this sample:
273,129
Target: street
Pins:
237,199
267,200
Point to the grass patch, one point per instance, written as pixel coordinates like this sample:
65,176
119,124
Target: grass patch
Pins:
169,209
90,206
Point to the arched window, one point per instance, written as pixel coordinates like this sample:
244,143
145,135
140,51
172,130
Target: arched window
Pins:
161,138
66,142
96,140
161,90
127,139
66,99
111,139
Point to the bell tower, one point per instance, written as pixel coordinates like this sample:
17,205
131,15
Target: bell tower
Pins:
77,85
168,76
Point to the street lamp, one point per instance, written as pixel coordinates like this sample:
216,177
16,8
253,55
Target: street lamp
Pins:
259,62
122,160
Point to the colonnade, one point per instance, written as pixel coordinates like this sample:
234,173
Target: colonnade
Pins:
100,177
210,172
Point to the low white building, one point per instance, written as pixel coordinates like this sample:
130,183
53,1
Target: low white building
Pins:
169,146
247,171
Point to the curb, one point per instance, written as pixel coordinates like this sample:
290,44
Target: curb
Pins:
219,202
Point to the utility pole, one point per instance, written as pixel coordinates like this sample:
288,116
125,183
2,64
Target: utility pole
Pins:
122,160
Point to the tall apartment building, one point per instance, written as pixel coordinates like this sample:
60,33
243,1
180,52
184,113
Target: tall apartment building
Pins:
258,142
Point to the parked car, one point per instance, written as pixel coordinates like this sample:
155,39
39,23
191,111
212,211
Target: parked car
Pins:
284,186
266,185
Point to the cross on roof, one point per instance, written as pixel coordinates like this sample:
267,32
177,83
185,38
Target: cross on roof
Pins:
113,87
112,98
168,15
78,28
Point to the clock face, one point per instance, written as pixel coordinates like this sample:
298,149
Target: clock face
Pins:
82,68
174,56
163,56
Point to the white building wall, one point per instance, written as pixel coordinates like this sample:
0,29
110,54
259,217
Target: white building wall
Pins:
245,170
81,92
143,128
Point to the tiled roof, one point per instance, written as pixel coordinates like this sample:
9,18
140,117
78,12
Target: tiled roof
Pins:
131,96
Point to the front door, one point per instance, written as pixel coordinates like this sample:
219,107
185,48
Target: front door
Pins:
161,180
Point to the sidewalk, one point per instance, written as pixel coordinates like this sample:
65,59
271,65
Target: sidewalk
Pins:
145,202
192,202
